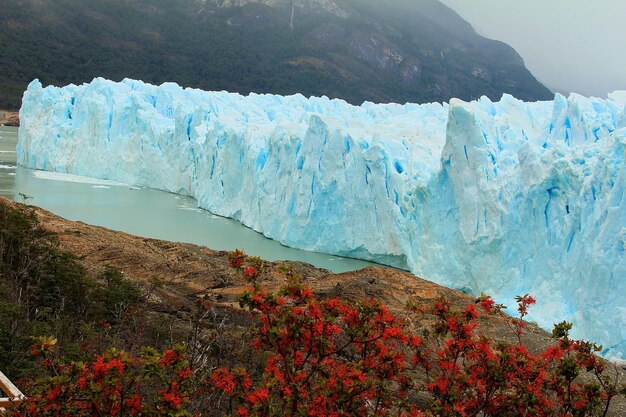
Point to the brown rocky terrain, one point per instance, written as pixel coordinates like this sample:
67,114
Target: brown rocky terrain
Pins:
188,272
9,118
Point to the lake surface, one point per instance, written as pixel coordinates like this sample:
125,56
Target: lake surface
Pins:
142,211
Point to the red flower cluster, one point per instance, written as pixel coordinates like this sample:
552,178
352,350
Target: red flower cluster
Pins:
113,384
334,358
330,357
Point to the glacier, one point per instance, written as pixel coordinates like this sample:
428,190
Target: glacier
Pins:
505,197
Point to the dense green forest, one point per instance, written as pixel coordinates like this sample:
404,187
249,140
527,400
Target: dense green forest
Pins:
394,51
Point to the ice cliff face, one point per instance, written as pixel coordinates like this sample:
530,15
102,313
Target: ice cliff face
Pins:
507,198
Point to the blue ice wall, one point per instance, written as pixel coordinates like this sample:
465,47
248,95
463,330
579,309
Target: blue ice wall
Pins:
507,198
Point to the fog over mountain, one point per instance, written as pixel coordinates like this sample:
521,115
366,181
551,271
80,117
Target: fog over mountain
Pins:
572,46
391,51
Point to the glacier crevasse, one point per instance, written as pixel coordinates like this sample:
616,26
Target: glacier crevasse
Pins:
503,197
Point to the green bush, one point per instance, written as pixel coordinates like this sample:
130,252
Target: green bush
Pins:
45,291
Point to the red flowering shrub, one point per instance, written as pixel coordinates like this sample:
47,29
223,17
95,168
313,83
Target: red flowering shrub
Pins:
323,357
333,358
330,357
113,384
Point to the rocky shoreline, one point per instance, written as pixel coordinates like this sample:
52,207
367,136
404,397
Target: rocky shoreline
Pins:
9,118
188,272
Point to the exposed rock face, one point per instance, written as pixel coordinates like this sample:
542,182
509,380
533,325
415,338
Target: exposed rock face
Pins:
9,118
333,7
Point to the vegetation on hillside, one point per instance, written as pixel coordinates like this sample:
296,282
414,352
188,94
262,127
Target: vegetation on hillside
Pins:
394,51
83,347
56,318
44,291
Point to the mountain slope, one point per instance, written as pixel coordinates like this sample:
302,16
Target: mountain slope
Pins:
398,50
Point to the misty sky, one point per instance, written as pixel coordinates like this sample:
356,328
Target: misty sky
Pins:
569,45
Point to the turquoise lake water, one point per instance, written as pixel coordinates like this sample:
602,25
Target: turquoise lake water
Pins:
143,212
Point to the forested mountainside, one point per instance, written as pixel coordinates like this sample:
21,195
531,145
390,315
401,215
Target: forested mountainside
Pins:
380,51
